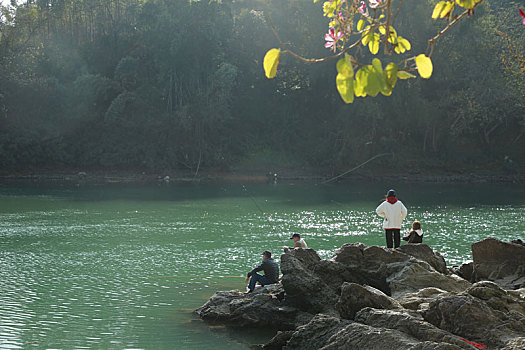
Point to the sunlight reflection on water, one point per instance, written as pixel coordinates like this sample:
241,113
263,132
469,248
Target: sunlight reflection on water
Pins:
83,273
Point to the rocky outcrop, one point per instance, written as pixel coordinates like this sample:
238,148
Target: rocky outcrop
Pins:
410,323
379,266
305,289
470,317
355,297
327,333
263,308
501,262
425,253
417,276
377,298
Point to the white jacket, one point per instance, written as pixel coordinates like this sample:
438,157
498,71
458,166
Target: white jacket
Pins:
394,214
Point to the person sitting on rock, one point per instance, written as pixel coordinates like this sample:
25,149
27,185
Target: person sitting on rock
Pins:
271,272
298,241
394,213
416,233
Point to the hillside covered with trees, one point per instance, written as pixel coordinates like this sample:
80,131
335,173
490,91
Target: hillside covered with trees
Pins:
156,85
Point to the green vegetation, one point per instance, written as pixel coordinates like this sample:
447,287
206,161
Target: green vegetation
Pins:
162,84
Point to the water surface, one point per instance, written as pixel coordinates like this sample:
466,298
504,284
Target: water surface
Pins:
122,267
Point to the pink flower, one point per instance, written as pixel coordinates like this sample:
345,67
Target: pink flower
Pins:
522,14
362,7
332,37
374,3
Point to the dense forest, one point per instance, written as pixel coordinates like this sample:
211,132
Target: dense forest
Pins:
160,85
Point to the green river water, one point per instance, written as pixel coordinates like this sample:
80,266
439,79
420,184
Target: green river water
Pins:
123,267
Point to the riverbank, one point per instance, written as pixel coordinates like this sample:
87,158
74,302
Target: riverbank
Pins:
281,175
366,297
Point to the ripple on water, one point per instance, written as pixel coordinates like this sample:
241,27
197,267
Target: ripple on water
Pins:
124,274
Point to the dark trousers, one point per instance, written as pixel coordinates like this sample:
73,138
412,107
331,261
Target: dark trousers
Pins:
258,278
393,235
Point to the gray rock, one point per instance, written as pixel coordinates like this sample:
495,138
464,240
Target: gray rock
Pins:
331,333
408,323
278,341
499,261
379,267
316,333
304,289
515,344
355,297
497,298
466,270
373,264
419,275
261,308
421,300
471,318
425,253
308,257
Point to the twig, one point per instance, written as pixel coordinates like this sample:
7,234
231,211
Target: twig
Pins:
432,41
309,60
516,55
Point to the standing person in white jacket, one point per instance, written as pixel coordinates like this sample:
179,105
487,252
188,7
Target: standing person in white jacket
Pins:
394,213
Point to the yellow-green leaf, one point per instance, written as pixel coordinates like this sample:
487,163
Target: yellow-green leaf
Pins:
378,71
345,86
367,36
360,25
403,75
373,45
468,4
271,62
448,9
344,67
437,9
403,45
424,66
391,75
360,83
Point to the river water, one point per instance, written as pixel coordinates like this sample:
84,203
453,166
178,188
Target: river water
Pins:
123,267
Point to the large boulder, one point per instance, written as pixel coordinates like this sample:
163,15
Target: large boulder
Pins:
379,266
421,300
331,333
305,289
471,318
316,333
355,297
308,257
497,298
466,270
409,323
425,253
373,265
263,308
418,275
501,262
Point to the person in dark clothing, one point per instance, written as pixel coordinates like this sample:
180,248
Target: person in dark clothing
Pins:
415,235
271,272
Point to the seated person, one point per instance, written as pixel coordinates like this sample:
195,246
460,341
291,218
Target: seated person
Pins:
298,241
271,272
415,235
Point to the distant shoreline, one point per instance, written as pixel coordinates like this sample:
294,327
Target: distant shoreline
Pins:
284,176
